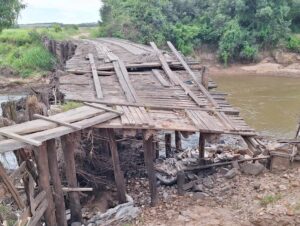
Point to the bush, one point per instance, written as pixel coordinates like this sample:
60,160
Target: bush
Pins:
293,44
248,52
57,28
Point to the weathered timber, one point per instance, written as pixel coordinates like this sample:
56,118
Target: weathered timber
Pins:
22,139
11,188
58,196
202,138
96,79
68,145
119,176
103,108
180,182
178,143
44,182
37,116
168,146
77,189
148,156
160,78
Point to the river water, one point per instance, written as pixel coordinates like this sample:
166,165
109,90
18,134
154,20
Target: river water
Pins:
271,105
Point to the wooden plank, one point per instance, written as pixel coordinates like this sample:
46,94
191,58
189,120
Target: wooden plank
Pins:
129,115
39,213
103,108
122,82
147,117
141,116
11,145
22,139
95,77
119,176
136,117
160,78
165,65
59,122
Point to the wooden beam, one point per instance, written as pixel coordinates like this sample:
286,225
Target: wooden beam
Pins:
44,182
11,188
148,156
95,77
56,181
119,176
68,145
180,182
97,106
23,139
77,189
165,65
178,141
37,116
168,146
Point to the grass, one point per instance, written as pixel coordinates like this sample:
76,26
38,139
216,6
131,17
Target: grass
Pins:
293,43
270,199
5,211
71,105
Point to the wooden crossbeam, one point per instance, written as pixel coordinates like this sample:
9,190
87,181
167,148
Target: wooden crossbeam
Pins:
97,106
164,64
22,139
95,77
37,116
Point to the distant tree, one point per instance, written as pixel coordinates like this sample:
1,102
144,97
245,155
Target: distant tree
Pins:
9,12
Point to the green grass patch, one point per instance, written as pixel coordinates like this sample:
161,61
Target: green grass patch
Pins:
71,105
270,199
5,212
293,43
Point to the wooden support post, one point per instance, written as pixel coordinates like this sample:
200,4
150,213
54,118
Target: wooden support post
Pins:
202,137
156,152
180,182
44,182
204,78
178,141
58,195
119,177
168,139
148,155
68,146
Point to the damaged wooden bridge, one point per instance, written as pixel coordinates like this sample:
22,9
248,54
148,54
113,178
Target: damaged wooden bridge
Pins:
128,86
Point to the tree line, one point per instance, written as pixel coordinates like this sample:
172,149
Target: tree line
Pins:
237,29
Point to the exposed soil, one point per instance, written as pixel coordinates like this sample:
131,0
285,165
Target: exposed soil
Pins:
268,199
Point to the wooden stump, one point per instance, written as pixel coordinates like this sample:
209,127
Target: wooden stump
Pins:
148,155
178,141
58,195
180,182
168,139
68,145
119,176
44,182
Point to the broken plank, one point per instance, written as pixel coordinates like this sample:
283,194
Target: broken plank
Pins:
95,77
103,108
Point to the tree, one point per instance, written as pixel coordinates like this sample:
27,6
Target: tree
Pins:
9,12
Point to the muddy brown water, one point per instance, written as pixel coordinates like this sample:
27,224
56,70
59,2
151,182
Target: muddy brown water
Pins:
271,105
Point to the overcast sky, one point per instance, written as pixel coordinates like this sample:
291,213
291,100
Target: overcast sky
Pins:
63,11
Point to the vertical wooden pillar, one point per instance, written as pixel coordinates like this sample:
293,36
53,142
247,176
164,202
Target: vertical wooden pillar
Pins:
156,152
180,182
148,155
178,141
58,196
119,176
68,145
202,137
204,78
44,182
168,139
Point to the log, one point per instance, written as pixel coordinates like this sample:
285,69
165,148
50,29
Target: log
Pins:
58,122
178,141
119,176
202,137
23,139
68,145
148,156
168,146
44,182
77,189
56,181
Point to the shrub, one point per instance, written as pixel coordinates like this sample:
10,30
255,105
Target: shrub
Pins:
248,52
293,44
57,28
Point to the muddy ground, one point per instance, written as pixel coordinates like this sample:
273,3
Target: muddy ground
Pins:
265,200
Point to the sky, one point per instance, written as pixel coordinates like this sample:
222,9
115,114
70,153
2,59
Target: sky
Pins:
62,11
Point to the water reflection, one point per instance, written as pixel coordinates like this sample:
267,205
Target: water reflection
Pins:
271,105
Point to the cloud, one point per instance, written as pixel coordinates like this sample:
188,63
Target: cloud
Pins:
66,11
